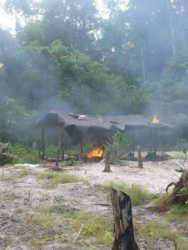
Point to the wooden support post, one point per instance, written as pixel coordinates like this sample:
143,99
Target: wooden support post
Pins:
62,146
42,142
133,143
60,136
155,141
123,225
80,149
150,140
107,162
140,165
39,148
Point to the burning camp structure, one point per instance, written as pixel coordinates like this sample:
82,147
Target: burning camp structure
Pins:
79,127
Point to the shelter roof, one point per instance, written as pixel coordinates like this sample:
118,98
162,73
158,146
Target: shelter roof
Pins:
87,122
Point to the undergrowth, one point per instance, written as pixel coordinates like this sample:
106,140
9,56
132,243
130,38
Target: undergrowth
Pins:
178,212
20,174
98,228
23,153
137,194
93,229
157,230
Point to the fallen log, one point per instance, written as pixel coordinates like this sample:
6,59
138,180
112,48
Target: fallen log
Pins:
123,225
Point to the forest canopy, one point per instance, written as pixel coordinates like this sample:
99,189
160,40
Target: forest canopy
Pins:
68,56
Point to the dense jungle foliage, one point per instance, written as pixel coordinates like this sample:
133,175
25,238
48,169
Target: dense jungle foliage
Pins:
69,54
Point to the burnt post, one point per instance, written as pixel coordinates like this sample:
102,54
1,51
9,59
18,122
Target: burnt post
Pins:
60,143
107,162
42,142
140,164
123,225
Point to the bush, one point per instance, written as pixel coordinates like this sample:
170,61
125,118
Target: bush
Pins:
6,159
51,151
181,145
118,148
23,153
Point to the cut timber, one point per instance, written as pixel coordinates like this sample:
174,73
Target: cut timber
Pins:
123,225
140,165
107,162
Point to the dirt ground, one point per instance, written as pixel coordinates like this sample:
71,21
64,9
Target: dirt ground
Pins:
20,198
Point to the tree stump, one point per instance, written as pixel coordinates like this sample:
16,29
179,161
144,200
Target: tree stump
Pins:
123,225
107,162
177,196
140,165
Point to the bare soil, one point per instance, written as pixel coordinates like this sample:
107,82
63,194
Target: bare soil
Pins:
20,197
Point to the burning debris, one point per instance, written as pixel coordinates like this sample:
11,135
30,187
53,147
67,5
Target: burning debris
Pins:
96,152
155,120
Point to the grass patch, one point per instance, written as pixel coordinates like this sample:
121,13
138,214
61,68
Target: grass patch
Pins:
154,230
95,229
47,220
138,194
98,228
56,178
178,212
161,198
181,244
22,173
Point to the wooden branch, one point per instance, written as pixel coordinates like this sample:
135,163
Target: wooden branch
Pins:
123,225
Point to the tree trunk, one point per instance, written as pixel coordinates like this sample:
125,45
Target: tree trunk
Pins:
123,225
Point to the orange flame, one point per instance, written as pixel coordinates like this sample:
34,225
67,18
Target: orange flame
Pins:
155,120
96,152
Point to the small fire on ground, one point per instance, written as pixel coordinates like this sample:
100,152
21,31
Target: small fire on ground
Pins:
96,152
155,120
